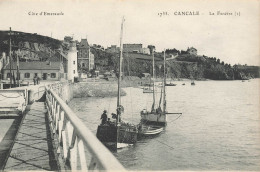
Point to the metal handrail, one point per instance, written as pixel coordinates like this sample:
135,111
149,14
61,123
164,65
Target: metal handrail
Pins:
64,119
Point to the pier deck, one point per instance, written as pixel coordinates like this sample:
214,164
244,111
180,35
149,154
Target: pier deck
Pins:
33,147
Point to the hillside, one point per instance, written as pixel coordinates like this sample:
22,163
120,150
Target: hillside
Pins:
32,46
183,66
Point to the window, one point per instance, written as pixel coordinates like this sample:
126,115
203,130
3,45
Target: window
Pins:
83,64
73,71
8,75
73,62
27,75
53,75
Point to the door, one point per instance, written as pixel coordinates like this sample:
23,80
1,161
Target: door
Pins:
44,76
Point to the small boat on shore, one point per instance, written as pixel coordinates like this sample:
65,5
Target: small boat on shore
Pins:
170,84
149,130
192,83
147,90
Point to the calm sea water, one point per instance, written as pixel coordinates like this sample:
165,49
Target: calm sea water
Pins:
218,130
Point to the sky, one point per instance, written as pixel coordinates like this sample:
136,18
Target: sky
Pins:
232,39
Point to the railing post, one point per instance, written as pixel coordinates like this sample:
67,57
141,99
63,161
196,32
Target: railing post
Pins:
64,140
61,123
82,155
57,116
70,132
73,152
92,164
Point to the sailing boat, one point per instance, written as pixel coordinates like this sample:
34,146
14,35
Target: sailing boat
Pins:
154,121
118,134
170,84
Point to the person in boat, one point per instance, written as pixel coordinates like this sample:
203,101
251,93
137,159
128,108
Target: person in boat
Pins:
159,110
114,116
108,121
104,117
144,111
120,110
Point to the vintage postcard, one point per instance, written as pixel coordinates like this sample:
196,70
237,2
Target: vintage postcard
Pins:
130,85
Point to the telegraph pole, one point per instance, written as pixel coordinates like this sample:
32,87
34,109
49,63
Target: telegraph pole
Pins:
17,66
89,59
10,59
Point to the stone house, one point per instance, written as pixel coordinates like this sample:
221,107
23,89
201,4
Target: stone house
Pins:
45,70
85,57
192,51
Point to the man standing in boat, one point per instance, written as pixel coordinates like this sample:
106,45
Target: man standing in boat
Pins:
104,117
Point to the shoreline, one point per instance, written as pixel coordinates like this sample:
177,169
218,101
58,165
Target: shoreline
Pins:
104,88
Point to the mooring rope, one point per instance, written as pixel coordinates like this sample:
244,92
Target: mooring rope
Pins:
176,118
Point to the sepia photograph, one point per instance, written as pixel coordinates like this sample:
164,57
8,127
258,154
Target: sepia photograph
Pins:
130,85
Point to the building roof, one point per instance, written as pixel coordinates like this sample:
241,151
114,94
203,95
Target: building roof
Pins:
191,48
36,65
83,43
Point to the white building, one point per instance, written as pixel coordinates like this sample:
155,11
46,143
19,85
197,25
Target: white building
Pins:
72,62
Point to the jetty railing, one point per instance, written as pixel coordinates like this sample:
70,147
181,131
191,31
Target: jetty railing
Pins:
77,145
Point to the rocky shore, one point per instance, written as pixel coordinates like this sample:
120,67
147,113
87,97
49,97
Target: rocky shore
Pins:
96,89
104,88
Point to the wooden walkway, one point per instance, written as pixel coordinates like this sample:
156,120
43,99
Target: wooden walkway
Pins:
33,146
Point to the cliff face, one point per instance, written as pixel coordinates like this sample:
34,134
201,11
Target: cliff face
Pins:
32,47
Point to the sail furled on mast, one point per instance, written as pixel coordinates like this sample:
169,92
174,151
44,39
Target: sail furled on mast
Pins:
164,82
161,98
153,82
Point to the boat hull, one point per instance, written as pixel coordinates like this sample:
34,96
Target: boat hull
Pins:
147,91
153,118
107,134
170,84
149,130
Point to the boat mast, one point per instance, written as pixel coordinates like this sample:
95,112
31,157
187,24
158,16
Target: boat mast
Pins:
120,64
164,82
153,82
118,111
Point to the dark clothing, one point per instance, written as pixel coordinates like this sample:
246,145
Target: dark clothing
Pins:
34,81
114,116
104,118
159,110
38,80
